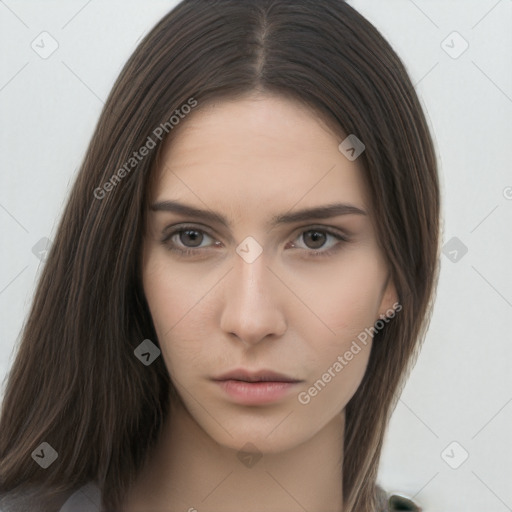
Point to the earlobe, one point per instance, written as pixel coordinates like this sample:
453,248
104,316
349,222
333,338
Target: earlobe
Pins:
389,304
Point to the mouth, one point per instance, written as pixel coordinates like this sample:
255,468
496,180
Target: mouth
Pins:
257,376
252,388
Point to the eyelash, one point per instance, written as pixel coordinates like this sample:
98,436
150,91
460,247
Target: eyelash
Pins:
310,253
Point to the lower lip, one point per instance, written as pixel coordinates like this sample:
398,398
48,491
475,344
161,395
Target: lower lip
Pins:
256,392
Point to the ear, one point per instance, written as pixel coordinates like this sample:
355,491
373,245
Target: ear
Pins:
389,301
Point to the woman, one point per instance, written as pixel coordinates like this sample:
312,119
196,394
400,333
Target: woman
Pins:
242,277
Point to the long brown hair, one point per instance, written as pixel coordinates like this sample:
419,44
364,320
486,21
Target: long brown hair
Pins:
75,383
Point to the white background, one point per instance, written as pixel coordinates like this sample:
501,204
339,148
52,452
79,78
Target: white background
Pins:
461,387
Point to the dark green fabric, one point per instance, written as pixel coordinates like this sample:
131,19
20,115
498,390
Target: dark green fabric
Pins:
395,502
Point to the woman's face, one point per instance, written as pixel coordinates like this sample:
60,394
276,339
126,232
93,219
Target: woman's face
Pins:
252,285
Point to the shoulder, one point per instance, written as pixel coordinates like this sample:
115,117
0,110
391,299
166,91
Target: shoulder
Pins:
85,499
36,498
391,502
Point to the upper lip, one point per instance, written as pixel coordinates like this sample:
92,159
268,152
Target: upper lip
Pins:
256,376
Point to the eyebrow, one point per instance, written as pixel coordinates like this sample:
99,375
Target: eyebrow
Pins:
317,213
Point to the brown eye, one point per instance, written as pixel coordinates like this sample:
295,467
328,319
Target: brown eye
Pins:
190,237
314,239
315,242
188,240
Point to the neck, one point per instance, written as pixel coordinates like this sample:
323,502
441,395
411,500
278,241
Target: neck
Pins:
190,471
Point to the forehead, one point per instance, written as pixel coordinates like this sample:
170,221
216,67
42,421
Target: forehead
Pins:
257,152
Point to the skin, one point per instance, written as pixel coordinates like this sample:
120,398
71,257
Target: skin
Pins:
250,159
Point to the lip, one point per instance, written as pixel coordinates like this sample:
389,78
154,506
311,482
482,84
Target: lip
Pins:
259,387
255,376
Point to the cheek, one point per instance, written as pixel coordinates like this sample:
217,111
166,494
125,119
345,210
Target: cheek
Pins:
347,301
334,385
178,302
344,296
337,363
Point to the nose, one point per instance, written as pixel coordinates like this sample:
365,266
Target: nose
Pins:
252,308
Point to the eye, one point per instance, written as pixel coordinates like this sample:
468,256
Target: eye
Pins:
316,238
188,237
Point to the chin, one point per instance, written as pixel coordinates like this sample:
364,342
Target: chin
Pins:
258,442
259,436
